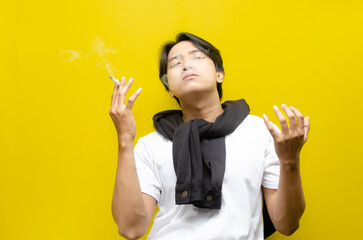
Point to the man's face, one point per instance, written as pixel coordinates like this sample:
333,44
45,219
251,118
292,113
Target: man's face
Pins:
190,71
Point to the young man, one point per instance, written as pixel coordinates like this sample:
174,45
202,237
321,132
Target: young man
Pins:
209,167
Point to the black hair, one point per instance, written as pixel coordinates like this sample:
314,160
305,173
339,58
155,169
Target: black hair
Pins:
202,45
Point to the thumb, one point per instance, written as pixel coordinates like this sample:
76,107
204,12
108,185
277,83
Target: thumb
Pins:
306,128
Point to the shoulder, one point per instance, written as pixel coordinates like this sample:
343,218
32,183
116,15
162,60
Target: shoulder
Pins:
152,140
253,119
255,124
252,123
151,137
252,130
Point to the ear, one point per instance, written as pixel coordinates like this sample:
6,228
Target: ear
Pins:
220,77
171,94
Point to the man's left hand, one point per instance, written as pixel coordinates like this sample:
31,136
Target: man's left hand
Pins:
289,141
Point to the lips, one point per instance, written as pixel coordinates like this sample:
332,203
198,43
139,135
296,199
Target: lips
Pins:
190,75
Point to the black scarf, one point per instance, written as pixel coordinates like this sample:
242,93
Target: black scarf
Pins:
199,152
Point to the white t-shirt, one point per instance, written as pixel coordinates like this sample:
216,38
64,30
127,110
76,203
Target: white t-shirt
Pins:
251,162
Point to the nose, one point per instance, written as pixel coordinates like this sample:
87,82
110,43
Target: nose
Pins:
187,66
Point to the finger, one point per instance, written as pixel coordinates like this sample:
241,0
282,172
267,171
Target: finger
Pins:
123,80
133,98
299,117
114,94
306,128
128,85
290,115
269,126
282,119
122,84
124,87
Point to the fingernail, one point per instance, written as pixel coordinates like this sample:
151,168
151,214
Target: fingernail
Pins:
275,107
283,105
123,78
131,79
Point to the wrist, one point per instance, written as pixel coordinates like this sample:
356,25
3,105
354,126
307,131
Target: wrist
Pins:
125,142
290,164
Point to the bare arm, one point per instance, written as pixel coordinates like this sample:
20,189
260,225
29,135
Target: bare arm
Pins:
131,209
287,204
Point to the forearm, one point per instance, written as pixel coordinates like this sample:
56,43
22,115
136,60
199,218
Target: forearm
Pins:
289,201
287,204
128,207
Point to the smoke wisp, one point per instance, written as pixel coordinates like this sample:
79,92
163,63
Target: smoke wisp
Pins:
99,52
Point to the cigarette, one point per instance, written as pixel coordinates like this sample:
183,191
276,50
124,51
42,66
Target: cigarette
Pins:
115,80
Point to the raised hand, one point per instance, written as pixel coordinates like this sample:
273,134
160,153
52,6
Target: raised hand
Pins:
289,141
121,113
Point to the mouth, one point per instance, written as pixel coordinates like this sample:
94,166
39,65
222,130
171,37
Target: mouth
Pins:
189,76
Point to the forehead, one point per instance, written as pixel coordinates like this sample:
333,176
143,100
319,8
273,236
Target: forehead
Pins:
182,47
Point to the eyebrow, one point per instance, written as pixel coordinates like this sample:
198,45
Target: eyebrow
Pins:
178,55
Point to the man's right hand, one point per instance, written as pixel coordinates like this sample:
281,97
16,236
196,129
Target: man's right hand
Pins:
121,113
132,210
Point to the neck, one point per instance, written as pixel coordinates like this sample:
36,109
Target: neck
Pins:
207,109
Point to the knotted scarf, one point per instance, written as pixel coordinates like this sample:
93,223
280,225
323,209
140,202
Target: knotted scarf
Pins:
199,153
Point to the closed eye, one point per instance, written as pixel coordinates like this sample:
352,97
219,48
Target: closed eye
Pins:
175,64
198,57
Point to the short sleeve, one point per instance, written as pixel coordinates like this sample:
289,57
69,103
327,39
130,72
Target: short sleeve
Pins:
272,164
146,171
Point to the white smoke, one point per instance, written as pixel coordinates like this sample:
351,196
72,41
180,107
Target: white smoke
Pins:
99,53
69,55
100,50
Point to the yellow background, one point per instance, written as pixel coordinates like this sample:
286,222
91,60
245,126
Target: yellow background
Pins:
58,145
